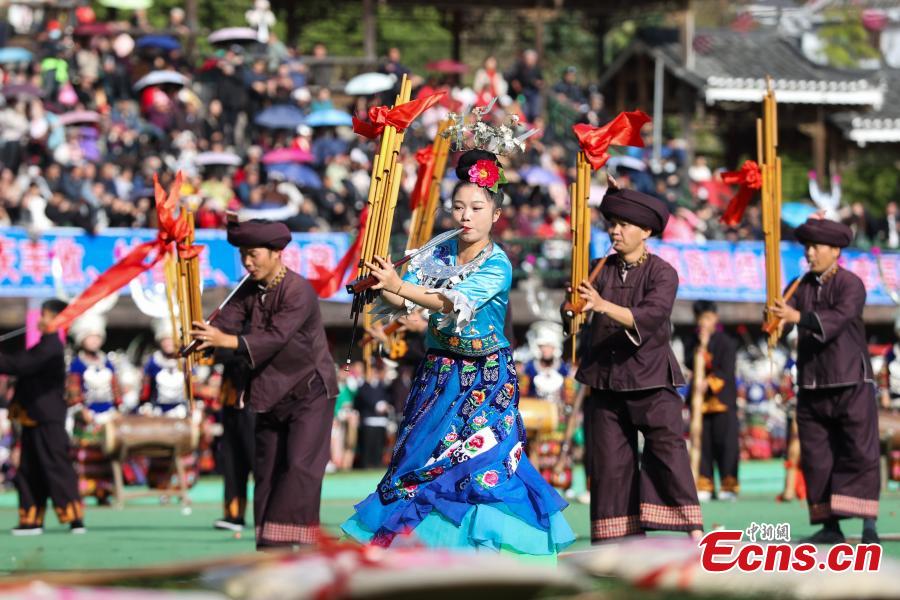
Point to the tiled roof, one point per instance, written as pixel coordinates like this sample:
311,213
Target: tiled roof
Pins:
875,126
732,66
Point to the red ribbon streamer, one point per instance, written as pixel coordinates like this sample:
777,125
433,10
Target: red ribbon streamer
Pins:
624,130
398,117
749,179
420,193
171,230
327,283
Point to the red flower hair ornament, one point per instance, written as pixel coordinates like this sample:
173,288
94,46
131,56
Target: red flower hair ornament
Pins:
487,174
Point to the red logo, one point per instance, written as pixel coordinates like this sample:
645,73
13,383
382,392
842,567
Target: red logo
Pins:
722,551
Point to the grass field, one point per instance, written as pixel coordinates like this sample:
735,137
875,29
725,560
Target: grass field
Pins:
147,533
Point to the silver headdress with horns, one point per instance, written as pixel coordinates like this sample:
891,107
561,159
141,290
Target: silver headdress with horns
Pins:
478,134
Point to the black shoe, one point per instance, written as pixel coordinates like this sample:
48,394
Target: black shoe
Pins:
825,536
230,524
22,530
77,527
870,536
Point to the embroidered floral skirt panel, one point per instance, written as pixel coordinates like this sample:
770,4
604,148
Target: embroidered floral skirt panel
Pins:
458,475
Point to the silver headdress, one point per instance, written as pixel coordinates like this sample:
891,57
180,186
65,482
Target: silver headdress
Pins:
477,134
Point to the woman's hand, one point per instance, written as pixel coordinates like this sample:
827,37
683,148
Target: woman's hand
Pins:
383,270
590,295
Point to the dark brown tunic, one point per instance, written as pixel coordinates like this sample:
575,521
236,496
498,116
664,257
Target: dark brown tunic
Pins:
620,360
835,353
837,415
634,375
292,386
283,340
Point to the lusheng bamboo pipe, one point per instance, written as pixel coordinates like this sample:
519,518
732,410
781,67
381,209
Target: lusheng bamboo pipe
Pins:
697,393
382,201
580,228
770,168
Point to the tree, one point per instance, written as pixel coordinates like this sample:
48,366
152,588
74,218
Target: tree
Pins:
846,40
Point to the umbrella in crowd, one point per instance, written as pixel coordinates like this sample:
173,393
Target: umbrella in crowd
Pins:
14,54
233,34
329,117
142,192
446,65
93,29
370,83
301,175
796,213
280,116
326,147
127,4
79,117
228,159
165,43
627,162
161,78
22,90
538,176
288,155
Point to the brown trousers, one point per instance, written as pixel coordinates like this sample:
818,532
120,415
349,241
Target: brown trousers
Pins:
840,451
631,494
293,445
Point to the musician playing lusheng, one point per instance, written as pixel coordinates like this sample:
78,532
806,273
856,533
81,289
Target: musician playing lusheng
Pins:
458,476
633,373
837,414
276,326
720,447
45,469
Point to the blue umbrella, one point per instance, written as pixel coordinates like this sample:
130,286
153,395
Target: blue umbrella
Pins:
280,116
163,42
326,147
142,192
538,176
330,117
301,175
796,213
13,54
161,78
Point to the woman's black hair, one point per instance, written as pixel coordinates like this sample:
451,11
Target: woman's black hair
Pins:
466,161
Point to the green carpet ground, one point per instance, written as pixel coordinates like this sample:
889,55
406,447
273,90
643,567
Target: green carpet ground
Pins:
147,533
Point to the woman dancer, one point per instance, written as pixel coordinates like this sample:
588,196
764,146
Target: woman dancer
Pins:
458,476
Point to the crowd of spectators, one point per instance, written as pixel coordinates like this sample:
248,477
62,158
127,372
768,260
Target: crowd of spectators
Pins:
82,134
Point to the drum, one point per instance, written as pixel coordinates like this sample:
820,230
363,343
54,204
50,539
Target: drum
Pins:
138,431
539,416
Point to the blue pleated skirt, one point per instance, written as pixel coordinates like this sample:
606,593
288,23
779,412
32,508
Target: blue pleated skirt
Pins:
458,476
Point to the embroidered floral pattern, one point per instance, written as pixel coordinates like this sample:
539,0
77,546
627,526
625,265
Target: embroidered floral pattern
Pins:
474,444
508,422
467,346
488,479
469,371
484,417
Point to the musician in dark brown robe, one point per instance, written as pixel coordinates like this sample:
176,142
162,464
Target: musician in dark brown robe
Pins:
39,405
719,448
274,323
837,414
629,364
